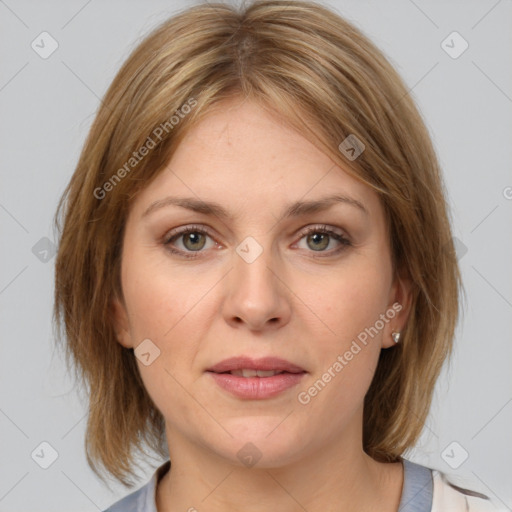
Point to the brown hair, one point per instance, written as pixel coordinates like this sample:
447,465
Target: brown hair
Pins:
321,74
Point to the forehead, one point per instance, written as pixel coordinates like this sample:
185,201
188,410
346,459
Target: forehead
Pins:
245,159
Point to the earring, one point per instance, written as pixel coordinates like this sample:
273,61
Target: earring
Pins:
395,336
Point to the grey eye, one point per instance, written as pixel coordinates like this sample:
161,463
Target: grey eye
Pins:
192,240
320,241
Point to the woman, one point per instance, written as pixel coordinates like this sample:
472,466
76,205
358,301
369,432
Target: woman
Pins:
256,276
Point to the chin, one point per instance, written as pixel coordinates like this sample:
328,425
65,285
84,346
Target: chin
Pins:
261,441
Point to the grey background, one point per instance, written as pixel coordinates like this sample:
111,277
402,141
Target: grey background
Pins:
46,108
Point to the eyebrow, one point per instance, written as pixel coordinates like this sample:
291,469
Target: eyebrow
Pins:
295,209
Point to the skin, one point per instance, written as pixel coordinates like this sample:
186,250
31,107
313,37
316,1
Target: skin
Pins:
294,302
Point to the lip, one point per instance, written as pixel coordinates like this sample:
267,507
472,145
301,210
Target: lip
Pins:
263,363
256,388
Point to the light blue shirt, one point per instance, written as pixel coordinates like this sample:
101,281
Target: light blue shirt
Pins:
416,496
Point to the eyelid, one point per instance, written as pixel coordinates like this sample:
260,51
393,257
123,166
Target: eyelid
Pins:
169,235
207,230
341,237
322,227
338,234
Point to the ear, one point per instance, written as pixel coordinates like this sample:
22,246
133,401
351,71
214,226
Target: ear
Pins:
399,308
120,322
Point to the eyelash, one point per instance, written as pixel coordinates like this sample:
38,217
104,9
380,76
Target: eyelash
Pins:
323,229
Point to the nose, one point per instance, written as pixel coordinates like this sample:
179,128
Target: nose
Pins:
257,296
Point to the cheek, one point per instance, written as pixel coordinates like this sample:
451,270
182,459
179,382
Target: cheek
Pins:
172,309
349,304
160,298
166,316
350,301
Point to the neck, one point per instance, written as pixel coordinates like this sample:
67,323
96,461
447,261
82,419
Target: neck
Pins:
344,475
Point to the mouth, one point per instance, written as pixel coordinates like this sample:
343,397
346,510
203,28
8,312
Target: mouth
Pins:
245,366
256,379
248,373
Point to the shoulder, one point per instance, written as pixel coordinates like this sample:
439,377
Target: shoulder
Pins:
127,504
134,502
143,499
447,496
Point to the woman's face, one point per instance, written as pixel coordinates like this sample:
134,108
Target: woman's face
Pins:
255,286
